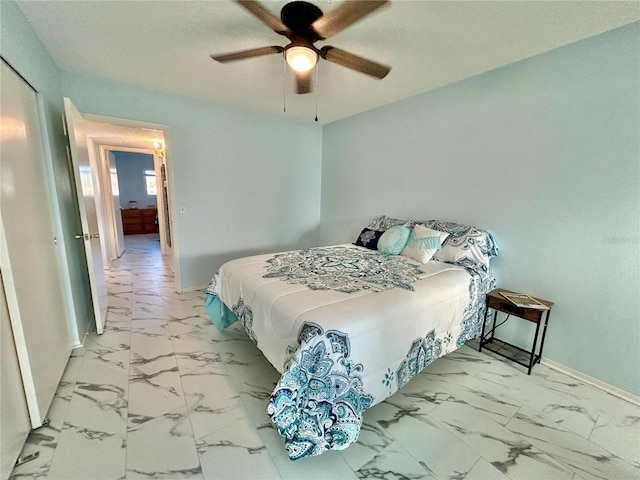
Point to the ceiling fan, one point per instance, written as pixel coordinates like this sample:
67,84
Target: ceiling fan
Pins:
304,24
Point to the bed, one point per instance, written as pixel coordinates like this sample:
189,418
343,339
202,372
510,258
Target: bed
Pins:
349,325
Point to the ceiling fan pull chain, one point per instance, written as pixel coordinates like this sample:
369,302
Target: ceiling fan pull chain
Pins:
317,83
284,84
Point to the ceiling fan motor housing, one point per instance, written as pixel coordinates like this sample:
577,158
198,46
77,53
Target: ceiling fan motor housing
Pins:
298,17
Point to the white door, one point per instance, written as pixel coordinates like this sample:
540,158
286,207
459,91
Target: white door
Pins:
29,257
118,233
14,416
86,188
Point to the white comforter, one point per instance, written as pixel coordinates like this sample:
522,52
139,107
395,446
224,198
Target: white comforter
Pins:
347,327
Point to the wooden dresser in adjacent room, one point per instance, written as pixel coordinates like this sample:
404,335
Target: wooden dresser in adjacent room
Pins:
139,220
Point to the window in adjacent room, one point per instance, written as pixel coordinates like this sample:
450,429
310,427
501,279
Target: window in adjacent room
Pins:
150,181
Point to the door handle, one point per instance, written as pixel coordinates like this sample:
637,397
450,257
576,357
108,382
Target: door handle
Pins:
88,236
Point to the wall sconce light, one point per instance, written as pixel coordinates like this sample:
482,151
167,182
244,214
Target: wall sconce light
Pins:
159,148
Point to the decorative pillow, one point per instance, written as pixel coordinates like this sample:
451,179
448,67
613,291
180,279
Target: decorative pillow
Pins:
466,245
393,241
423,243
384,223
369,238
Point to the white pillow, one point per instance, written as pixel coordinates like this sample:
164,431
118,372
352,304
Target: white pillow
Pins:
423,243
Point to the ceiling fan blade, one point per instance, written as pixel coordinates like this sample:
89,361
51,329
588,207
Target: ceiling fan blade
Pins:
354,62
344,15
241,55
303,82
265,16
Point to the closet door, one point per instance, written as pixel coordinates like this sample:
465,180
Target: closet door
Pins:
29,257
15,417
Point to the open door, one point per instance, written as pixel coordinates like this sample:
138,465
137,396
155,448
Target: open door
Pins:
113,217
87,187
118,233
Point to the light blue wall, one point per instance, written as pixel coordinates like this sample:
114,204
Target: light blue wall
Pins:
544,153
249,183
131,182
20,46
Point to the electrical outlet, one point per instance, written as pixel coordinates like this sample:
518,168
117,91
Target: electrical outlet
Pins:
183,210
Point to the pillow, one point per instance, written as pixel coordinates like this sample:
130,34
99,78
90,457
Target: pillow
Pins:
423,243
466,245
368,238
393,241
383,223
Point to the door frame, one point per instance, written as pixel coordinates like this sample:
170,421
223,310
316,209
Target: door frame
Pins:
173,251
106,176
111,223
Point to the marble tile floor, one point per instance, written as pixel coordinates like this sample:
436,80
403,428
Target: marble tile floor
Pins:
163,395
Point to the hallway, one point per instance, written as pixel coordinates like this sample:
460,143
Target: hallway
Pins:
162,394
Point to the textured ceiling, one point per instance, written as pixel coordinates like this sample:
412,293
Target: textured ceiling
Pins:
165,46
111,135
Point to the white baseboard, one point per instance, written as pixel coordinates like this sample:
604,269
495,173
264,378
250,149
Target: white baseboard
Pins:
78,351
594,382
193,289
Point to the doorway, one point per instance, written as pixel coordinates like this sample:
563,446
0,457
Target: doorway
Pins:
135,184
132,178
108,135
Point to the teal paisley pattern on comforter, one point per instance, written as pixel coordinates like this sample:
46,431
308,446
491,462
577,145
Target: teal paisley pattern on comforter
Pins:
481,281
318,403
427,349
343,269
423,351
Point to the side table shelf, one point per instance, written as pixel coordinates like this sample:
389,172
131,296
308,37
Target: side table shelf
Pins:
488,340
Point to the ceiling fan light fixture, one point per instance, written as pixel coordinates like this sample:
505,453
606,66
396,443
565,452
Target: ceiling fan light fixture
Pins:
301,59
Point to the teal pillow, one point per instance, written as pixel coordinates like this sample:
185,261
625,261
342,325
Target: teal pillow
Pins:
393,241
